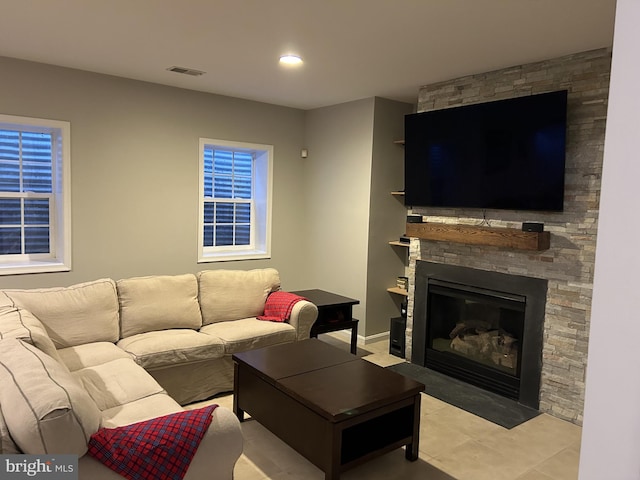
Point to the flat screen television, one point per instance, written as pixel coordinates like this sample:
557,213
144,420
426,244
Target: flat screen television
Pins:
505,154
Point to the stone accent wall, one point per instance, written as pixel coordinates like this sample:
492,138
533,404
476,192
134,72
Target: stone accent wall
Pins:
568,265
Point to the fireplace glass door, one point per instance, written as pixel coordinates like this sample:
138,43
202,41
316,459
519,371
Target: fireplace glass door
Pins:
475,335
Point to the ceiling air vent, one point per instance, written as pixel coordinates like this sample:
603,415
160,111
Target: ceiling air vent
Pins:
186,71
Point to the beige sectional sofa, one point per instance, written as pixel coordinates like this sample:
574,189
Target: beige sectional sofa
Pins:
129,350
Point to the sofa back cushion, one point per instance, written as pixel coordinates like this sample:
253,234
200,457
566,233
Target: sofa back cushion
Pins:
46,410
82,313
20,323
158,303
235,294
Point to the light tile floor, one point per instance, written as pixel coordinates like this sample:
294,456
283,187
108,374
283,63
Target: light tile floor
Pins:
454,444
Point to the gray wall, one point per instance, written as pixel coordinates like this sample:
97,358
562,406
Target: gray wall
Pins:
134,149
387,215
352,168
338,186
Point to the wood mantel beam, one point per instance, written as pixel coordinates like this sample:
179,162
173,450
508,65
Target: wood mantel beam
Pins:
479,235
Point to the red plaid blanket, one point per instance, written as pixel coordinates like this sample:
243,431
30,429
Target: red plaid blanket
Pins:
278,306
157,449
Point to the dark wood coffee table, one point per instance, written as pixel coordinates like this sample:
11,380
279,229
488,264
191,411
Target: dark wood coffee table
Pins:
335,409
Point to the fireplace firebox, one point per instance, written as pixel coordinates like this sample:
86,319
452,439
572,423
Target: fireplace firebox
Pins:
482,327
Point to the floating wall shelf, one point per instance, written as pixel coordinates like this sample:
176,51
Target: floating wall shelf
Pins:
398,291
476,235
399,244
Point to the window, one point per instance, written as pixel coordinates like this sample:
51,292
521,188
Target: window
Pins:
234,221
35,220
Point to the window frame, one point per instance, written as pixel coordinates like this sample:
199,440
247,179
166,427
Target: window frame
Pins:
260,242
59,258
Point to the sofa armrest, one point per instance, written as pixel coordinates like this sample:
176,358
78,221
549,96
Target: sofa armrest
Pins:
303,315
219,449
215,458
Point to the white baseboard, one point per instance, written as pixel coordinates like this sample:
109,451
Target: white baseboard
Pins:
362,340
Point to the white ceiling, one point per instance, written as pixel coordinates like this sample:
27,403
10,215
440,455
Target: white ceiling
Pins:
352,49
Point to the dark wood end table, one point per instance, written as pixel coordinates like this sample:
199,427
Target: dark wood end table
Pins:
335,409
335,312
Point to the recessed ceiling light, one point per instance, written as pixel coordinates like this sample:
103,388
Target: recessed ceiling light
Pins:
290,59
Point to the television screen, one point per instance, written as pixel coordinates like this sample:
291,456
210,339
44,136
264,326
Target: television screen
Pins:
506,154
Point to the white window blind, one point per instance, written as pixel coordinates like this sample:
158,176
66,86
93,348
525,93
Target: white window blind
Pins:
228,207
26,192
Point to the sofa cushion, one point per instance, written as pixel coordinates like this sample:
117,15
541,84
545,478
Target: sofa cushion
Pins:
235,294
50,412
116,383
20,323
90,355
158,303
168,347
250,333
7,445
140,410
82,313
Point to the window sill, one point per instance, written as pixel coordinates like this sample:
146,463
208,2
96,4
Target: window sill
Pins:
21,268
233,256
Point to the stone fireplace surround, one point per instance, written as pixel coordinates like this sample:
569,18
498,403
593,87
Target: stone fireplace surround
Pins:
568,264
